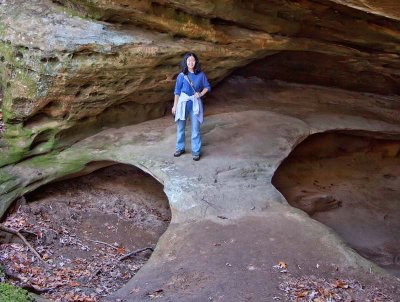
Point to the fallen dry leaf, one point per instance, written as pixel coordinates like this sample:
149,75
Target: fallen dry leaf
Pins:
156,294
282,264
302,294
341,284
324,292
121,250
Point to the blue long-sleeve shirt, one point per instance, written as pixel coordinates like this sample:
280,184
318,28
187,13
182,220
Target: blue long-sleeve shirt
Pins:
199,82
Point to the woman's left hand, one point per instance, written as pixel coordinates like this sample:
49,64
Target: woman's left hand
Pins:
197,95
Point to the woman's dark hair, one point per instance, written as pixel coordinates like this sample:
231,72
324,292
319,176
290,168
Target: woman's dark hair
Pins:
184,67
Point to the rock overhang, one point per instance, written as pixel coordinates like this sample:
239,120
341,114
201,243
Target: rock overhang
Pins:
62,72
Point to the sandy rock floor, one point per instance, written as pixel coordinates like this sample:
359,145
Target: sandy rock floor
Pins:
351,184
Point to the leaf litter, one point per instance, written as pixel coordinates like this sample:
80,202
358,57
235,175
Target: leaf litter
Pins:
81,227
314,289
309,288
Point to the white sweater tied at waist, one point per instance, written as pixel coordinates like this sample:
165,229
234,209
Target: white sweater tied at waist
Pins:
181,107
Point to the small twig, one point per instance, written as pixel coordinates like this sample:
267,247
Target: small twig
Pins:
135,252
98,271
17,233
105,243
29,233
37,290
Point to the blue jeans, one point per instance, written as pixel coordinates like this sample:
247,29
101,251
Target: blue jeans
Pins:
195,126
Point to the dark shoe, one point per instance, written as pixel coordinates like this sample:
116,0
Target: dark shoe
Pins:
196,157
179,153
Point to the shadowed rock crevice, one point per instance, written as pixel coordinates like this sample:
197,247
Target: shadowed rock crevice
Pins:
350,183
374,73
84,225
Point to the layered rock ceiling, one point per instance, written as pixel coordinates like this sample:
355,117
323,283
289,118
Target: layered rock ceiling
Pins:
70,68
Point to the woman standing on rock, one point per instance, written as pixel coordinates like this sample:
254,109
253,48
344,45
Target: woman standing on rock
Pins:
190,86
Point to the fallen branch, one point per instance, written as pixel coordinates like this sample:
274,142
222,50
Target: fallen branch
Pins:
135,252
105,243
17,233
34,289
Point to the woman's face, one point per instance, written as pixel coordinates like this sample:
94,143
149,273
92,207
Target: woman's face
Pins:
191,61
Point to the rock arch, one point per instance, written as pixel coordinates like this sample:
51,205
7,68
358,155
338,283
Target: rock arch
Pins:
350,182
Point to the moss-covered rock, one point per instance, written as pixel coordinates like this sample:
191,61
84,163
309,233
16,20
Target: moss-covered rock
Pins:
9,293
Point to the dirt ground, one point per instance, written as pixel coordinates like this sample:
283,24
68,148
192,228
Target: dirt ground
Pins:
81,227
351,184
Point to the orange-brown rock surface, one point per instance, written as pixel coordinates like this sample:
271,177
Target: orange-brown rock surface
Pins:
69,67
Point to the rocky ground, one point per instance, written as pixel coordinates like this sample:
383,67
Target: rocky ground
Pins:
315,289
81,228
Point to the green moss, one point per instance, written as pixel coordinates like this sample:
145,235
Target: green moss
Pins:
2,29
7,51
81,9
9,185
18,141
5,176
10,157
9,293
21,141
15,56
19,83
25,80
18,137
44,161
7,181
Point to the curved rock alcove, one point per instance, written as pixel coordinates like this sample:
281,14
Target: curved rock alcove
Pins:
91,81
84,228
351,183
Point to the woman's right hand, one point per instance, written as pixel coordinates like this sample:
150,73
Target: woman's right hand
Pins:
173,110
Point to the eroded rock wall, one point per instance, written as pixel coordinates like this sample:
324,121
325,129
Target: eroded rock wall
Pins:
72,67
350,182
66,77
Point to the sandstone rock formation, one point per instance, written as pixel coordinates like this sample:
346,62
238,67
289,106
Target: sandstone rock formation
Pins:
71,70
357,175
65,75
251,127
